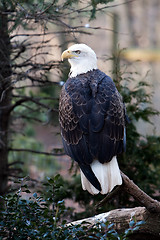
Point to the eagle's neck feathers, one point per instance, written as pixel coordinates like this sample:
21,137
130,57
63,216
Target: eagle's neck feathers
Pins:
83,66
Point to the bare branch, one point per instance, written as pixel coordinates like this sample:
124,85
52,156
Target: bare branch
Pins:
72,30
28,118
121,219
109,196
38,84
47,8
130,187
37,98
25,99
15,162
153,206
36,152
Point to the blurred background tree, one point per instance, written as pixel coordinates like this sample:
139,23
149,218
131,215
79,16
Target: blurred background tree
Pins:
29,72
32,35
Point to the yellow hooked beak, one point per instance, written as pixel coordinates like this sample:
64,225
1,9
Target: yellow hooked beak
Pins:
68,54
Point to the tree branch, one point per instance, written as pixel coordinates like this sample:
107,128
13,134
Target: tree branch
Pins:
109,196
121,219
37,98
153,206
15,162
36,152
130,187
29,118
25,99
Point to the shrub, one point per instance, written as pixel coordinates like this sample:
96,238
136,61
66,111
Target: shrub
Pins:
26,215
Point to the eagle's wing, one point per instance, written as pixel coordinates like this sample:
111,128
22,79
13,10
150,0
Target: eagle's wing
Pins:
74,141
73,138
107,122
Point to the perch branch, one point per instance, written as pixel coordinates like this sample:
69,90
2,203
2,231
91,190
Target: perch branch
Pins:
121,219
152,205
108,197
130,187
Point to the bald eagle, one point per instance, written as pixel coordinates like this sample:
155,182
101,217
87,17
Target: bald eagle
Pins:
92,121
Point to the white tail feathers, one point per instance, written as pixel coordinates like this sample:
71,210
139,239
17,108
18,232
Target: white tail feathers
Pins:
108,174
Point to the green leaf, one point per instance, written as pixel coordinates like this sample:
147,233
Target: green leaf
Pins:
35,195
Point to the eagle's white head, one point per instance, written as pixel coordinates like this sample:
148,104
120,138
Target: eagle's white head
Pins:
81,57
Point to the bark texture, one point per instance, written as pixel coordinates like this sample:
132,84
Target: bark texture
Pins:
5,96
150,213
152,205
121,218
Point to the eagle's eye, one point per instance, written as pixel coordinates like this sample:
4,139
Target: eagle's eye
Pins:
77,51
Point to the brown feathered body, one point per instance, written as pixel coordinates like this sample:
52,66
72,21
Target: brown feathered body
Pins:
92,121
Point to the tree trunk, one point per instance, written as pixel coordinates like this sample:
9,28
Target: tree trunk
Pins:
150,230
5,95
